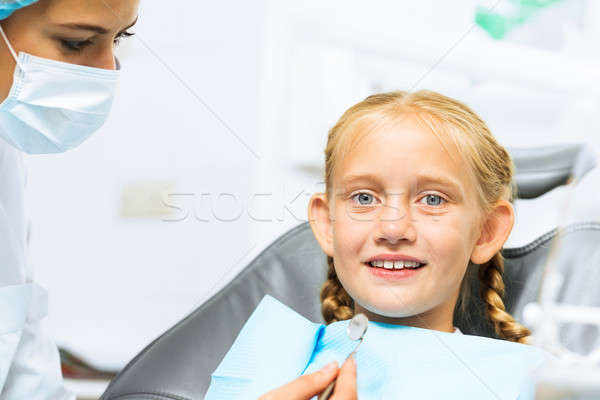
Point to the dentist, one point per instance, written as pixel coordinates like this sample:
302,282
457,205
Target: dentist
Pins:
58,74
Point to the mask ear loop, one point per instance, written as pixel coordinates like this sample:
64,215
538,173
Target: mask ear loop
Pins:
12,51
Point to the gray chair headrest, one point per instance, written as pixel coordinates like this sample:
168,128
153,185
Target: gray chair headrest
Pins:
539,170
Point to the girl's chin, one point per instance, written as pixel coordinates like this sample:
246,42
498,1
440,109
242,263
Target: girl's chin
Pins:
380,311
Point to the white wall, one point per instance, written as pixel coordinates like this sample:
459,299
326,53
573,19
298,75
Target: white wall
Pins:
115,282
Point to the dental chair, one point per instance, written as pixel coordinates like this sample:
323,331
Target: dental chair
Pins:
178,364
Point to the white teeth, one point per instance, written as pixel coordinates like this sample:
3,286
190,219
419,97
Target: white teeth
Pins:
394,264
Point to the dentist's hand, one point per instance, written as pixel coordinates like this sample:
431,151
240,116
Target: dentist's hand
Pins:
308,386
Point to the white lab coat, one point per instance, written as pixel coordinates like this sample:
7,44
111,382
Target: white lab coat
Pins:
29,360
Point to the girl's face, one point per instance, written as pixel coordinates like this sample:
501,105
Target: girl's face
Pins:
401,197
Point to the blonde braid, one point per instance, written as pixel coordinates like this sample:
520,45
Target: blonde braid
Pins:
492,291
336,303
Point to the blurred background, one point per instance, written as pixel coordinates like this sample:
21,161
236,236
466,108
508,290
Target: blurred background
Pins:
216,140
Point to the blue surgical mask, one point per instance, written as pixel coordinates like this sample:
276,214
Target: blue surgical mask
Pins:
54,106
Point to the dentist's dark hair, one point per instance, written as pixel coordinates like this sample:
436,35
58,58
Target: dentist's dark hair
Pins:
490,166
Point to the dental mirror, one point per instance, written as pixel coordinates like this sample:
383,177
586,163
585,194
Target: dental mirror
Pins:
356,331
357,327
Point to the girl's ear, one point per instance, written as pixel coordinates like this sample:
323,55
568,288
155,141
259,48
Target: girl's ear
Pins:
319,217
495,231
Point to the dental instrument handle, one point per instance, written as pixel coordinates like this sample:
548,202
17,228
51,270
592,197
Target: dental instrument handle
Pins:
356,331
329,389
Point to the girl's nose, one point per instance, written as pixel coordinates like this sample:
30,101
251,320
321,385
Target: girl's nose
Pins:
395,224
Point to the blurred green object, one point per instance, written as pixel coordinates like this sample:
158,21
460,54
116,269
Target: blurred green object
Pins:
499,24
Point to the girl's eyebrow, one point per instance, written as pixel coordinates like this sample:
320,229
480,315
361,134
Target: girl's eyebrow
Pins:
445,181
453,186
349,179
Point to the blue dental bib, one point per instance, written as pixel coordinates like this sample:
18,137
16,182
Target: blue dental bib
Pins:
276,345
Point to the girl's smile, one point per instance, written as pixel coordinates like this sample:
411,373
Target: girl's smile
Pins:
394,266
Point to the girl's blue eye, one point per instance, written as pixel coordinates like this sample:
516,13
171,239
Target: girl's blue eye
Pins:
433,200
364,199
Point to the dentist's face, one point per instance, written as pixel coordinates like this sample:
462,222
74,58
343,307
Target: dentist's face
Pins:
403,199
73,31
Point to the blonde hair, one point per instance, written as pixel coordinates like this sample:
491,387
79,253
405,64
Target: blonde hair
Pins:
491,166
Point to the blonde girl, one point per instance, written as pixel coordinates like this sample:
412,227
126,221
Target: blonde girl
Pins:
417,204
